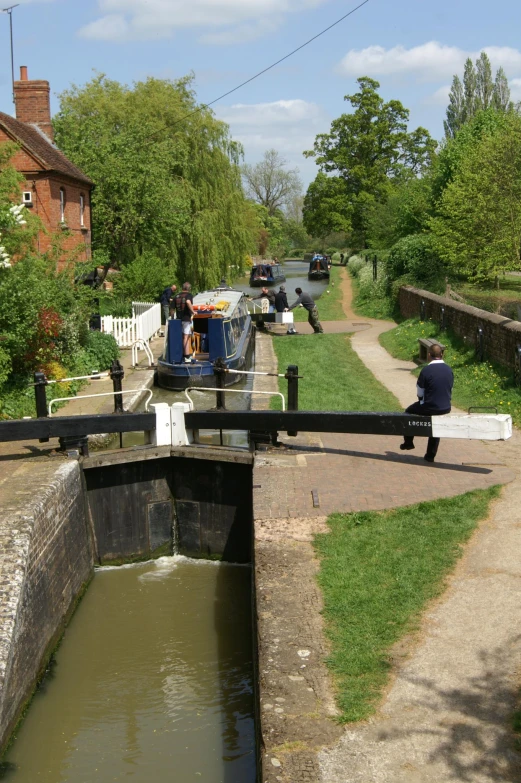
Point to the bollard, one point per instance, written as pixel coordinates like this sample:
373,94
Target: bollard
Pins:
422,310
117,373
443,325
292,378
375,268
40,382
480,345
219,370
517,365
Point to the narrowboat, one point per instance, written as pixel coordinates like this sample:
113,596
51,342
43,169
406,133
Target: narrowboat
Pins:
266,273
319,268
222,327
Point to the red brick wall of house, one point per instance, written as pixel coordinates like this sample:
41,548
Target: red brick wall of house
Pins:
46,204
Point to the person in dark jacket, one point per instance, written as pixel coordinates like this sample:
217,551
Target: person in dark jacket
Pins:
434,392
166,298
266,294
281,300
307,301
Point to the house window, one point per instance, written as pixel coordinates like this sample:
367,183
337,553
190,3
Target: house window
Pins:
82,210
62,205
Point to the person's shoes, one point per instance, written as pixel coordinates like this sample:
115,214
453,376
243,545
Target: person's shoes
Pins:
188,360
406,446
428,458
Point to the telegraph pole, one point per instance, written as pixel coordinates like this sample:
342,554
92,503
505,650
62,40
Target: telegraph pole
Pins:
9,11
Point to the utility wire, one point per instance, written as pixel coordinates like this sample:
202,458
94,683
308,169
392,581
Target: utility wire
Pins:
260,73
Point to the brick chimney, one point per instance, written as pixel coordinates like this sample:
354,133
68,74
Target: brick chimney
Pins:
33,104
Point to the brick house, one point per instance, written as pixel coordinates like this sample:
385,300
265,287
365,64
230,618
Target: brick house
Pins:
55,189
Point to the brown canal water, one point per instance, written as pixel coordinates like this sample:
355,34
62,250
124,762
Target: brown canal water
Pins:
153,682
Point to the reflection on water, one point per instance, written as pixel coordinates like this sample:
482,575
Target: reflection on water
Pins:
153,682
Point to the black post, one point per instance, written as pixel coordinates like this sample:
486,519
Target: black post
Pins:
443,325
375,268
219,370
117,373
517,365
40,382
292,378
422,310
480,345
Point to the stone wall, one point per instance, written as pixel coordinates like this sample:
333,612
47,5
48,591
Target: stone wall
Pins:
46,563
501,335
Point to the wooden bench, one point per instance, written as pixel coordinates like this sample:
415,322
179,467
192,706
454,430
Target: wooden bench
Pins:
425,345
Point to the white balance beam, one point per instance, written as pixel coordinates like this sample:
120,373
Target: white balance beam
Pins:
473,426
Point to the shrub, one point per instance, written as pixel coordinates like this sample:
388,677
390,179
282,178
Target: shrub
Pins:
355,264
101,350
6,366
144,278
415,257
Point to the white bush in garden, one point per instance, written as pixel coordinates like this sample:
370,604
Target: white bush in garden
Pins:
13,218
355,264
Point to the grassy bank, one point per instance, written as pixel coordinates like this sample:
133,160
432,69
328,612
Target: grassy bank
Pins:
329,305
334,377
475,383
378,570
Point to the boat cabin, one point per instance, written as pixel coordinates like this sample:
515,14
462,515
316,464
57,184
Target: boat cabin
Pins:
266,273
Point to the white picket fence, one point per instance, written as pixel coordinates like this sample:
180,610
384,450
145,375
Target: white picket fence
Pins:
144,324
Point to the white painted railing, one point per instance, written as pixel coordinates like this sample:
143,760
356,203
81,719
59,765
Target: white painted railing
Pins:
144,324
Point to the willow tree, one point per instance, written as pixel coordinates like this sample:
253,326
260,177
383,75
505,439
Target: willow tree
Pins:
166,173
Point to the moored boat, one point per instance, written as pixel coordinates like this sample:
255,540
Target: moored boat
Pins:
319,268
266,273
222,328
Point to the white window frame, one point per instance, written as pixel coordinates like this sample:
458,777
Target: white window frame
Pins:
62,205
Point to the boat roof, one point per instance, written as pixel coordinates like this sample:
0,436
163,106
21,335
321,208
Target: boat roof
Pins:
219,295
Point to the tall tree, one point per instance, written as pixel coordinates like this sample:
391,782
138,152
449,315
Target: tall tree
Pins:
455,109
501,98
366,150
478,226
166,172
271,183
484,82
469,90
327,207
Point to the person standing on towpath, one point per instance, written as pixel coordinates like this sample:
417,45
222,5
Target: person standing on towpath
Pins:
434,392
166,298
281,300
306,301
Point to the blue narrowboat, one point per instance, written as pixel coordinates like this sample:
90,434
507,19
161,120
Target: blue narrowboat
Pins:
266,273
222,327
319,268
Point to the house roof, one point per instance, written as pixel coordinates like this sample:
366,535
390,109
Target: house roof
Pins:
36,142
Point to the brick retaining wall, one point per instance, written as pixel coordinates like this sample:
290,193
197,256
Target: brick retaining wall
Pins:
501,335
46,562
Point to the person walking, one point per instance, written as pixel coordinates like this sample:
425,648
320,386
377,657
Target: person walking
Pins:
434,391
266,294
306,301
281,300
166,298
342,256
184,311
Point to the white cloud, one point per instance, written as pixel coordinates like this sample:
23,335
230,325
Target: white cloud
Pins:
515,89
430,61
222,21
289,126
440,97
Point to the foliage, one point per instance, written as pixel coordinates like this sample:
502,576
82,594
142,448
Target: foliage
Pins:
478,227
277,234
378,570
271,184
368,148
372,298
327,207
166,172
335,378
144,278
475,383
101,350
477,93
407,211
416,257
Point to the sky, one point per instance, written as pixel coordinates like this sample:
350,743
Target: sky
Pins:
412,47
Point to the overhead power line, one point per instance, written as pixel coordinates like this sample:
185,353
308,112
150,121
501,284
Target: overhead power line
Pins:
260,73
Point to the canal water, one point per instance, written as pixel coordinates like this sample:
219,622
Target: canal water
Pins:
296,277
153,682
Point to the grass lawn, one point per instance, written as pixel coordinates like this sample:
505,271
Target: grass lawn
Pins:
335,379
378,570
376,307
475,383
506,298
329,305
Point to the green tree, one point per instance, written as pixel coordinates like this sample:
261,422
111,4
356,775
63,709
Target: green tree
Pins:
327,207
408,210
484,82
478,227
366,150
455,109
166,172
501,98
470,102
